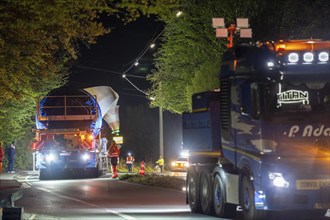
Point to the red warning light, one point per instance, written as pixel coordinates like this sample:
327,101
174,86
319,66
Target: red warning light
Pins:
34,146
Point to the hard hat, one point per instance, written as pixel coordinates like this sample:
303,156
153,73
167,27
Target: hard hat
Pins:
129,154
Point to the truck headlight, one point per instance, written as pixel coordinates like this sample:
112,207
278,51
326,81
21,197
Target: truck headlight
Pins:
278,180
85,157
50,157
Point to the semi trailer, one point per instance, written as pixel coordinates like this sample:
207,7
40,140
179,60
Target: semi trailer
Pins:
68,139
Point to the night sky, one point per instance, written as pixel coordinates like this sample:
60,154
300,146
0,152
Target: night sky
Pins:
103,63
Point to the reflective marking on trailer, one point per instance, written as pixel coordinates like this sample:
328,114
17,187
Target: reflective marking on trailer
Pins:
313,184
322,206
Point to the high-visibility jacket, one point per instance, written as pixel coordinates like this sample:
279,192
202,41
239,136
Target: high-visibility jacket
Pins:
113,151
129,160
160,162
2,153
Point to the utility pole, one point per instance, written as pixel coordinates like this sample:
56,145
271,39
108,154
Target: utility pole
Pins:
241,26
161,133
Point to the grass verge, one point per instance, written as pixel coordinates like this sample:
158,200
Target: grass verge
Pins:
169,182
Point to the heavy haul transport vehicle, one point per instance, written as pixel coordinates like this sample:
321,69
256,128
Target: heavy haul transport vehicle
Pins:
262,142
68,140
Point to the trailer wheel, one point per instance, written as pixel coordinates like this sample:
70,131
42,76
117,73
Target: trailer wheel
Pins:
193,192
206,193
247,200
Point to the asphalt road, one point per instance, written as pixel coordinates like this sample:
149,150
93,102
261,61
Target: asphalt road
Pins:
105,198
101,198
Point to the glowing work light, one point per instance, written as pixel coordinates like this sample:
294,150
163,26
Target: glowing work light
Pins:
323,57
308,57
293,57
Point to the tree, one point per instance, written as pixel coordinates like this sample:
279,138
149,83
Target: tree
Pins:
189,59
38,39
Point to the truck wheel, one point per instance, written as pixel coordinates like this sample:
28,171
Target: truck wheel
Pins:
247,200
221,208
218,196
43,175
193,192
206,193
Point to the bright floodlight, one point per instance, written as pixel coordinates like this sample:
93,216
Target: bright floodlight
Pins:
152,45
324,57
245,33
308,57
293,57
221,32
242,22
218,22
136,63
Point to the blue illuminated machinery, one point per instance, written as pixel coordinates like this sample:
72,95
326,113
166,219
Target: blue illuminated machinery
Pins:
262,142
68,138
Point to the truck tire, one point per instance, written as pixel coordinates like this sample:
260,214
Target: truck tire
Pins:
247,200
219,196
43,174
205,192
221,208
193,192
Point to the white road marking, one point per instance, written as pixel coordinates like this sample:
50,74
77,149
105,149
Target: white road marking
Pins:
128,217
32,217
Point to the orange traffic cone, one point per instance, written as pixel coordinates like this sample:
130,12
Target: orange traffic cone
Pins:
142,168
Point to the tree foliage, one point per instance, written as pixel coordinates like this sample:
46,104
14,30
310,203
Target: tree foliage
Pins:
164,9
189,59
37,41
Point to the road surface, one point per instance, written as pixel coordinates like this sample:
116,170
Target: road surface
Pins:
105,198
101,198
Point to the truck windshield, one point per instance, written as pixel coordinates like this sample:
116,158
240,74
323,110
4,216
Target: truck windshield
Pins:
297,98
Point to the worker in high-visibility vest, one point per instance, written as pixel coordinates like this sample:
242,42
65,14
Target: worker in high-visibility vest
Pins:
2,154
160,163
113,154
129,162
